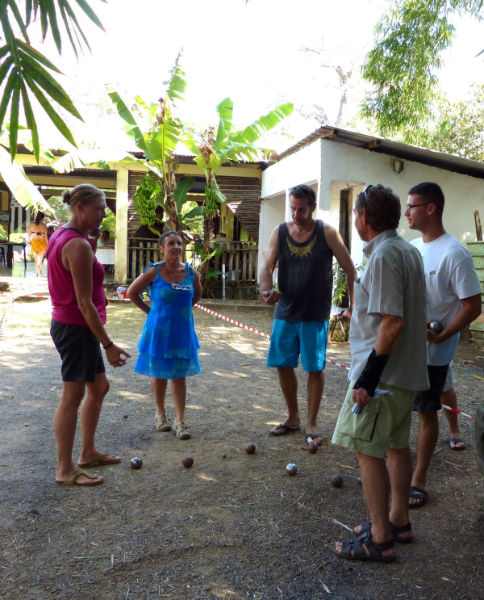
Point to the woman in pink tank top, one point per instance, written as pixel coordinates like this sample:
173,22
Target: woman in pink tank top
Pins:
75,280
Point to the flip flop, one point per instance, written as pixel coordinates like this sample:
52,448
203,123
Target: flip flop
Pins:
420,495
453,440
283,429
74,476
100,460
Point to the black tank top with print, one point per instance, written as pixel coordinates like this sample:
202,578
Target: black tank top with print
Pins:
304,276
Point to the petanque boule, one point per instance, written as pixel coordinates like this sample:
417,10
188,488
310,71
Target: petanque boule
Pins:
337,480
136,462
313,447
435,326
187,462
291,469
250,448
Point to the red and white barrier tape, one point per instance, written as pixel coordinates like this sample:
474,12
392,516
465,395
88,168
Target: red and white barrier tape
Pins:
246,327
457,411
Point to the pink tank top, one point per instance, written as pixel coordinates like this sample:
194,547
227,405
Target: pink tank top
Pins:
61,287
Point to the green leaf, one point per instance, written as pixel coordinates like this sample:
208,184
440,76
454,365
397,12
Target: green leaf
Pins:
18,18
7,92
52,114
90,13
181,191
14,105
225,111
176,84
132,129
197,211
37,56
30,119
48,83
254,131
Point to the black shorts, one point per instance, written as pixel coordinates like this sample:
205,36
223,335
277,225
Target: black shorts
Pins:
79,350
428,401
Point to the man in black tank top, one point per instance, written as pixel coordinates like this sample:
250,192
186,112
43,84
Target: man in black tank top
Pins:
303,250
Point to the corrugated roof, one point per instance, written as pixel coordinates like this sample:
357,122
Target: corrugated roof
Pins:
432,158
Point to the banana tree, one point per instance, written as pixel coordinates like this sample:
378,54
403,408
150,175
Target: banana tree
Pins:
159,142
213,149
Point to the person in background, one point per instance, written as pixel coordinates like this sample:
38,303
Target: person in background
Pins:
303,249
145,231
388,344
105,239
75,279
168,348
38,237
454,298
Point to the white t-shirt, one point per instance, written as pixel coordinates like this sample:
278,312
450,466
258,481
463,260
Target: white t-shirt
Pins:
450,276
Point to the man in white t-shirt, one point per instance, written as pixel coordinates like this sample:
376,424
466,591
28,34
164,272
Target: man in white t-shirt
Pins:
454,298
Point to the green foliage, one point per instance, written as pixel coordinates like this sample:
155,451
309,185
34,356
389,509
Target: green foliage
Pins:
459,128
403,64
60,209
25,73
109,223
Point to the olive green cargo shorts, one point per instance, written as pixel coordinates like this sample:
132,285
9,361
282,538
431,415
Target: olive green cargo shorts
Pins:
384,422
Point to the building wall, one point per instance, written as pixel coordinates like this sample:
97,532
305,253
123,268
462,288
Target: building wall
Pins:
336,166
356,167
301,167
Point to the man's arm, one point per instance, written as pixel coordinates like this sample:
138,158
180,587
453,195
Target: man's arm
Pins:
471,309
386,339
268,294
335,242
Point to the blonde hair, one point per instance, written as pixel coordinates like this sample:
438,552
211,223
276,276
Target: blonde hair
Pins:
84,193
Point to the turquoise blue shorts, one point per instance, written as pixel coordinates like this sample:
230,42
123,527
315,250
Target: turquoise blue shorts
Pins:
289,340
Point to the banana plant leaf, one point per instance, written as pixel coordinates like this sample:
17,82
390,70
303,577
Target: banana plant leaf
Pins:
181,192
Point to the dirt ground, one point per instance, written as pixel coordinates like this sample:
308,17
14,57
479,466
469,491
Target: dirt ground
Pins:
233,526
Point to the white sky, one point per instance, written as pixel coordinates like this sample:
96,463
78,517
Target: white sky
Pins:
251,52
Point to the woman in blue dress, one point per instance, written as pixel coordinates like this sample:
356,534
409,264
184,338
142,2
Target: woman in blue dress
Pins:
168,348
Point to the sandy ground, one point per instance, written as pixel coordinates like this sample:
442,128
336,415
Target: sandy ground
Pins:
233,526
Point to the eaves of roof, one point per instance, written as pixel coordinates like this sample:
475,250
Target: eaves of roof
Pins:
432,158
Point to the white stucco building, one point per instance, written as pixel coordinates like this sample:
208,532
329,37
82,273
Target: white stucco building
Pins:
339,164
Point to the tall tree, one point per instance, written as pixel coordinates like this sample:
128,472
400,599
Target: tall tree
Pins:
26,74
402,67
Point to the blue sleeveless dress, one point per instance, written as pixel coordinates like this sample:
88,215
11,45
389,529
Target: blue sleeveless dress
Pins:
168,347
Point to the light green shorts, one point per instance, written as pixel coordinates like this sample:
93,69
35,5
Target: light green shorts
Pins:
384,423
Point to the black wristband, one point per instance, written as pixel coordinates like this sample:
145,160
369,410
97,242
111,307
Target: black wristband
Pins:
108,346
372,372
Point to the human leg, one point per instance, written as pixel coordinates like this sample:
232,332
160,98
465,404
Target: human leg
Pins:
179,393
90,411
65,429
449,398
427,405
376,487
315,387
399,465
38,258
158,387
313,341
288,383
428,433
